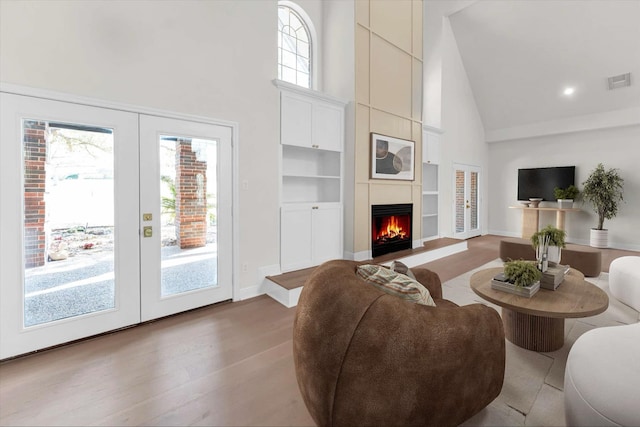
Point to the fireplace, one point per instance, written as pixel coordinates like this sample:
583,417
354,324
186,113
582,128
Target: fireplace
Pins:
390,228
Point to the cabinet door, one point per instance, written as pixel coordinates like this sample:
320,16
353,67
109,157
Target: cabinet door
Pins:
295,120
431,147
296,240
327,127
327,233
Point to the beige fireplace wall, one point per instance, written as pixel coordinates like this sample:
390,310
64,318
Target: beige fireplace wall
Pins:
388,94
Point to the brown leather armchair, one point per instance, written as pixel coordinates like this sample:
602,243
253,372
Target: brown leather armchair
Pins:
364,357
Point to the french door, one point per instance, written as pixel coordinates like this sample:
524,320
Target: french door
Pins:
466,210
107,218
186,226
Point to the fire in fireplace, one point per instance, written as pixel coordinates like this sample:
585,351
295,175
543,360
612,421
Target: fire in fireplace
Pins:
390,228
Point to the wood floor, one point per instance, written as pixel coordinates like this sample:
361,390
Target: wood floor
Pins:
229,364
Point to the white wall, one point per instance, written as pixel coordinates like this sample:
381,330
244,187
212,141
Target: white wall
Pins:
434,12
338,77
463,138
613,147
452,107
193,57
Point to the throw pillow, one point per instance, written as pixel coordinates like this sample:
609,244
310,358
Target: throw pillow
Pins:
395,283
402,268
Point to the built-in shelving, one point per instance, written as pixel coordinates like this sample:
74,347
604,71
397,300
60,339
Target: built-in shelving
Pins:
430,190
310,175
312,136
429,201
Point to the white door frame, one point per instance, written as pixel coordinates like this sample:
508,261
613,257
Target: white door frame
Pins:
11,160
467,232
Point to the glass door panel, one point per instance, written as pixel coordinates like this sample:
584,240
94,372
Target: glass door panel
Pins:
68,220
466,201
188,214
186,205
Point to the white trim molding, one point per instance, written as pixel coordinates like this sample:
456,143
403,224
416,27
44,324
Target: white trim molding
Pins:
588,122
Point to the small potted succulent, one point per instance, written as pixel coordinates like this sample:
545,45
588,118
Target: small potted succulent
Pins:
566,196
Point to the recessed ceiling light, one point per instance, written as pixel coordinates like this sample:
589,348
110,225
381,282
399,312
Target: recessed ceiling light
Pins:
569,91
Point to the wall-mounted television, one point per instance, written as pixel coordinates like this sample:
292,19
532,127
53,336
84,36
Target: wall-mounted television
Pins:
540,182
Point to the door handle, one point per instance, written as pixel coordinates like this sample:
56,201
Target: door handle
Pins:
147,231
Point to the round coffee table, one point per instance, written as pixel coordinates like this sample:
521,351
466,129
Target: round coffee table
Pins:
537,323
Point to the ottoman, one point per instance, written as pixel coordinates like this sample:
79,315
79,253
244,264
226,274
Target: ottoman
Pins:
583,258
624,280
602,378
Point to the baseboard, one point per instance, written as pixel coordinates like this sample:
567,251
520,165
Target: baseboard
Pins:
250,292
358,256
259,288
504,233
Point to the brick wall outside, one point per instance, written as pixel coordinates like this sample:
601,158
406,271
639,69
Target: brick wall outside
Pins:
35,156
474,200
191,197
460,206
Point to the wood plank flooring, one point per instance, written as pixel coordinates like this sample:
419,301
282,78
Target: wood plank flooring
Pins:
229,364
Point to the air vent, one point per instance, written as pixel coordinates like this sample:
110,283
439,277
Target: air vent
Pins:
622,80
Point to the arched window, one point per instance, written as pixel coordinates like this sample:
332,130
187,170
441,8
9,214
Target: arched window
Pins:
294,48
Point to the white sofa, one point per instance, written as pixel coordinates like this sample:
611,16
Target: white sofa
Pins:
602,378
624,280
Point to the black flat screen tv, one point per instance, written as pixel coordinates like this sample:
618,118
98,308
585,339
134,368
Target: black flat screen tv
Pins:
540,182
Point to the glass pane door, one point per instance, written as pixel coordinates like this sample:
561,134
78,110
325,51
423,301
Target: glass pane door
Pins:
68,220
69,264
466,201
108,218
186,219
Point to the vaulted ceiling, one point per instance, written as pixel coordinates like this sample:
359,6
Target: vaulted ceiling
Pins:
520,55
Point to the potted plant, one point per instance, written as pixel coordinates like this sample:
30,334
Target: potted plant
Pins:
548,244
603,189
566,196
521,273
518,277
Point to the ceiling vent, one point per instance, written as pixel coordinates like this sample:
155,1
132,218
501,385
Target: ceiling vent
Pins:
622,80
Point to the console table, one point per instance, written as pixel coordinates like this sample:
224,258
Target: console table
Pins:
531,217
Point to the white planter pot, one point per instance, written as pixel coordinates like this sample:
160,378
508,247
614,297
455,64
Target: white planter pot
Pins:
565,203
553,254
599,238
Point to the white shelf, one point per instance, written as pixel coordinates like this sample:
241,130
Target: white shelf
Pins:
430,204
310,161
429,200
297,189
429,226
429,177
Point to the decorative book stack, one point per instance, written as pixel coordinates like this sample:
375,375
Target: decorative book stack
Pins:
500,283
553,277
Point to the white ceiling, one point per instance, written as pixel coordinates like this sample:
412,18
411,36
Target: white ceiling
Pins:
519,55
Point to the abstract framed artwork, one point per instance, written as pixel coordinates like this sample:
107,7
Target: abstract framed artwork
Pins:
392,158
